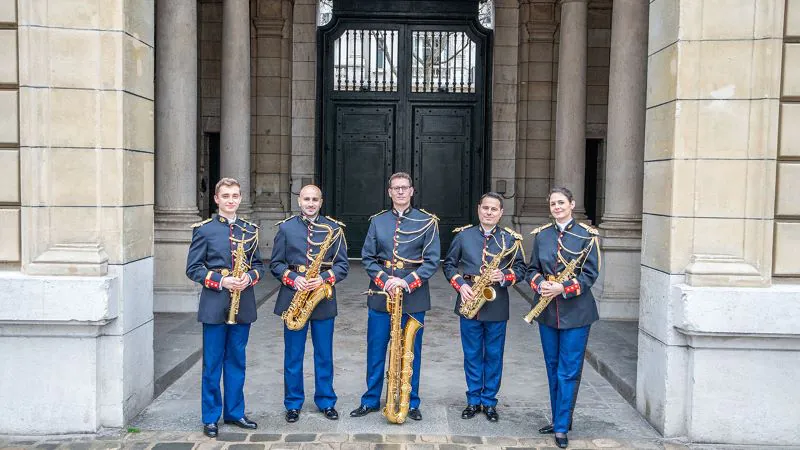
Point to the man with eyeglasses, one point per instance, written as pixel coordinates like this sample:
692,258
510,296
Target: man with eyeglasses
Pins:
401,250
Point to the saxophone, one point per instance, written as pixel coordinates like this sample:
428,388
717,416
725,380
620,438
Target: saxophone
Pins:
240,266
544,300
482,288
401,357
304,302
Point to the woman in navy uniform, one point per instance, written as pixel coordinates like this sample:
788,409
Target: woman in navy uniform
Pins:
483,337
564,324
210,263
297,244
401,250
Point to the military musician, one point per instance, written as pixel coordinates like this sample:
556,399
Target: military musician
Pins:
494,258
213,263
401,250
299,243
564,264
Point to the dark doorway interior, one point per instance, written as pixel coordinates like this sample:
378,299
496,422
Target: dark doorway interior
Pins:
213,169
590,197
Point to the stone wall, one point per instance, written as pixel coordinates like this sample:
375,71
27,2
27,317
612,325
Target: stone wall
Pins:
9,139
787,208
77,315
716,334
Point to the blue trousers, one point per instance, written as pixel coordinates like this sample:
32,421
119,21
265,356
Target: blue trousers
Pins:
563,356
294,349
223,355
378,329
483,344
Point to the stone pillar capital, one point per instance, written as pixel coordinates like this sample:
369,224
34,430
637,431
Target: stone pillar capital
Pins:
269,27
539,31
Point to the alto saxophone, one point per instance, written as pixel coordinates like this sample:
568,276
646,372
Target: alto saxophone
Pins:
482,288
401,357
239,268
304,302
544,300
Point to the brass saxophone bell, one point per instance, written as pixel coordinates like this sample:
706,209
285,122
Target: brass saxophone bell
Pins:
489,293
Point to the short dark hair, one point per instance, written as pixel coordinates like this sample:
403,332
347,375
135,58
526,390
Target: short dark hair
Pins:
560,190
397,175
493,195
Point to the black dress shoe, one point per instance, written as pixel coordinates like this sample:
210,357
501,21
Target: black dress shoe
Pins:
210,430
362,411
244,422
491,413
330,413
414,413
470,411
547,429
561,442
292,415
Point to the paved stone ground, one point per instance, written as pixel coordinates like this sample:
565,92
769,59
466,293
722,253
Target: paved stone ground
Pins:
603,419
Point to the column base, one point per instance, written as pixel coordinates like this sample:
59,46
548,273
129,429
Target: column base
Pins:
722,271
173,291
733,355
617,288
85,259
89,337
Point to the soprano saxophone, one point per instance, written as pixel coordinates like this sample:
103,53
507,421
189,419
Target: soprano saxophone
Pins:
544,300
239,268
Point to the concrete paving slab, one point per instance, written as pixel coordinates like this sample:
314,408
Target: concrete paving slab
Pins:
523,401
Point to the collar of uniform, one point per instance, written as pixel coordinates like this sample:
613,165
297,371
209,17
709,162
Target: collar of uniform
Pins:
403,214
225,220
566,226
485,232
312,220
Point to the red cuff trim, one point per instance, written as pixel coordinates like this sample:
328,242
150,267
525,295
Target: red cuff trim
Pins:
286,280
210,283
511,277
378,281
258,278
534,284
454,283
416,283
574,288
331,279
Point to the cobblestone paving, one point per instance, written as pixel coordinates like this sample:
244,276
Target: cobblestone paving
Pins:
235,440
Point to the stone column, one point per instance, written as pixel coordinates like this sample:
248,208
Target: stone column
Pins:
570,158
537,101
235,121
176,153
622,216
714,318
271,136
79,278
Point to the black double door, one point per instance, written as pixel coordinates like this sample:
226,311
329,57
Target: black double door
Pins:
403,97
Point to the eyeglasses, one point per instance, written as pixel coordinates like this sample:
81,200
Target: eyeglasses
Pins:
400,188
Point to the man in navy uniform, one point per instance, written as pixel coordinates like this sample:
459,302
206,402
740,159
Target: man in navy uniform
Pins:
210,262
297,245
401,250
483,336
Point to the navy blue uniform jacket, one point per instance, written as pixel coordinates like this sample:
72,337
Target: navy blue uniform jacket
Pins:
551,250
470,251
211,254
296,245
411,241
